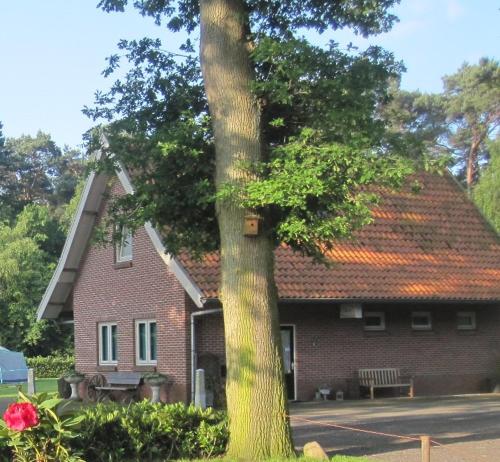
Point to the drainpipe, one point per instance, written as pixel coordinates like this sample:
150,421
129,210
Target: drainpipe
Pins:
193,343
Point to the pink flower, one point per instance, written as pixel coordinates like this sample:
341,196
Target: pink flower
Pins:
20,416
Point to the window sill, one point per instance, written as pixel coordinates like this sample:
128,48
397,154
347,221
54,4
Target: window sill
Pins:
123,264
107,368
145,368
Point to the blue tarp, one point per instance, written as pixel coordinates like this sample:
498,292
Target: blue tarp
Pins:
13,367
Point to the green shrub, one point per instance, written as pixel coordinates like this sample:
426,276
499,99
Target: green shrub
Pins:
148,431
5,451
51,366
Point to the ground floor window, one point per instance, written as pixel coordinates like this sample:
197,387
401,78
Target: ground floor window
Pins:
466,320
145,339
108,343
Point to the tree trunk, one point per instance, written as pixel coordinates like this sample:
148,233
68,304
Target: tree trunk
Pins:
256,398
472,164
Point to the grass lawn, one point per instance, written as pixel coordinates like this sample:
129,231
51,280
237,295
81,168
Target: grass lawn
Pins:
42,385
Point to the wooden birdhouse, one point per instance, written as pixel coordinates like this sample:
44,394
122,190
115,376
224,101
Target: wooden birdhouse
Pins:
252,225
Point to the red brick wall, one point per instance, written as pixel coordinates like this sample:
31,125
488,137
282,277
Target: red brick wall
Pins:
146,290
330,350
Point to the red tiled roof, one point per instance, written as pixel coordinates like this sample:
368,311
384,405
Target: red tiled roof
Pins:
431,245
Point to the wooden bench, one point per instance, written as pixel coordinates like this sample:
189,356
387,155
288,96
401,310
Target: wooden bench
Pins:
102,385
383,378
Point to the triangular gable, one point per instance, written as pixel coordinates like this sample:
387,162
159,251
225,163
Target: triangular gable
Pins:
55,300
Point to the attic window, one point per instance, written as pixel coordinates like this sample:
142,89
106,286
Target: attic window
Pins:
466,320
374,320
421,320
124,246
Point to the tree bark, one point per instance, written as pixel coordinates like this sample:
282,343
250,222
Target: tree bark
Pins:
472,163
256,398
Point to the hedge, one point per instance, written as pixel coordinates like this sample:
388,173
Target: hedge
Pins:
111,432
47,367
146,431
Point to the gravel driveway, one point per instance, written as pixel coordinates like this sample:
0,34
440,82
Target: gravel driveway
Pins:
468,427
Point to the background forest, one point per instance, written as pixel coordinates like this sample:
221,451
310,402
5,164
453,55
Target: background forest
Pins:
37,182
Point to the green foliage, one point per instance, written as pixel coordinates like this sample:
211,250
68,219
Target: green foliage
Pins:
486,193
36,171
416,125
51,366
147,431
166,128
37,178
27,259
472,104
277,18
453,127
308,175
114,433
69,210
48,441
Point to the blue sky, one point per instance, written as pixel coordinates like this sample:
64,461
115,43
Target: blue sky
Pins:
52,53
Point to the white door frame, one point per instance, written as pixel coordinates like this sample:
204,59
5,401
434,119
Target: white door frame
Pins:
295,375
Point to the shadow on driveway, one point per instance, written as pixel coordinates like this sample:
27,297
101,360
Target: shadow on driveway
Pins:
468,427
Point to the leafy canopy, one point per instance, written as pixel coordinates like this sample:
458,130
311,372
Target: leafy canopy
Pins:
324,139
35,170
472,106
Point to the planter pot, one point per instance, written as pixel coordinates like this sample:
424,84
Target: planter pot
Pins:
155,381
73,381
155,393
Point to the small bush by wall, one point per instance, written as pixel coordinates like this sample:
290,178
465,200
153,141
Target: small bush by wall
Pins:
50,366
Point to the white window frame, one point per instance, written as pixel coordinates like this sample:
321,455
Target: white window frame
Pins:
109,342
421,314
125,236
373,314
472,315
148,361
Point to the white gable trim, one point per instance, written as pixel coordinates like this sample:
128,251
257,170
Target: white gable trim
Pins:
60,286
80,230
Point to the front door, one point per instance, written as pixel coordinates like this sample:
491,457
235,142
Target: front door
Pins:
288,360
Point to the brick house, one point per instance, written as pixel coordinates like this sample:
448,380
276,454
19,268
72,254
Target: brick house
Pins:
418,289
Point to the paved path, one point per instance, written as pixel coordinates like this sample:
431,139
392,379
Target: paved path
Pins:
467,426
